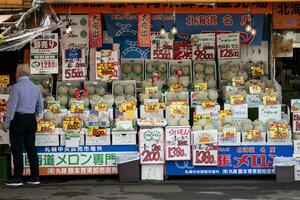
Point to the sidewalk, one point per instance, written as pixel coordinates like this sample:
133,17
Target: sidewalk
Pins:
108,188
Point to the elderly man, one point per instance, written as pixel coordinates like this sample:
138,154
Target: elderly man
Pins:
24,104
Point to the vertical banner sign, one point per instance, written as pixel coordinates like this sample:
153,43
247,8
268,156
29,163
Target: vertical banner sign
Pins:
95,30
161,47
178,143
296,122
205,148
107,65
182,50
151,146
286,15
204,46
44,54
144,32
73,65
228,46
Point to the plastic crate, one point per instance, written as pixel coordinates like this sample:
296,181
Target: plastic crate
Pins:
4,167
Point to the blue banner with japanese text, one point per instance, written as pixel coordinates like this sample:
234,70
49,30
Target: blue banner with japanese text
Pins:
234,160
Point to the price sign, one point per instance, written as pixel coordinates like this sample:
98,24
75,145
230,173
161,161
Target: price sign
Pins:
73,66
107,65
152,108
296,122
269,90
279,131
205,116
182,50
127,106
229,133
72,124
161,48
295,105
269,100
267,112
77,107
255,89
176,87
237,99
44,63
208,104
223,113
178,143
239,111
178,108
203,46
205,154
45,44
4,81
253,135
45,126
53,106
228,45
257,71
238,81
200,86
151,90
96,129
151,146
101,107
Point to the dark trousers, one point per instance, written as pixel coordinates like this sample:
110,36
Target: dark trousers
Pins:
22,134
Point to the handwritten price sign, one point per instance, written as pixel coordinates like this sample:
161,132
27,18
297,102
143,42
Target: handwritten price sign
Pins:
107,66
237,99
96,129
101,107
176,87
257,71
269,100
228,45
205,155
200,86
238,82
77,107
178,143
127,106
203,46
45,126
152,108
279,131
161,48
72,124
255,89
73,67
53,106
151,90
151,146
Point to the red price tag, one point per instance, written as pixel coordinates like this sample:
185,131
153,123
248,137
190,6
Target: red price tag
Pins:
203,55
152,155
75,73
174,152
161,54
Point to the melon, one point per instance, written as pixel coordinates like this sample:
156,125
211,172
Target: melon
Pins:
157,95
186,71
202,122
99,91
63,100
230,75
199,67
96,98
208,127
162,67
184,80
49,115
49,98
182,96
86,102
201,95
227,120
283,121
156,74
150,68
109,99
262,84
209,70
270,122
129,90
137,78
225,68
158,84
257,122
171,96
173,69
243,74
199,76
71,91
172,80
223,75
127,68
119,100
146,84
118,90
235,68
259,127
249,65
138,68
196,127
46,82
172,122
211,83
212,95
91,89
183,122
143,96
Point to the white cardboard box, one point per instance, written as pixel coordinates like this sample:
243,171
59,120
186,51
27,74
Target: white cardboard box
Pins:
297,167
153,172
287,141
101,140
234,141
46,139
258,142
296,146
63,140
124,137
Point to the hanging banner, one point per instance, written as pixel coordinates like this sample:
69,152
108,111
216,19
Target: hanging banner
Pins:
228,46
204,46
73,65
161,47
178,143
44,54
107,65
95,30
286,16
182,50
144,30
151,146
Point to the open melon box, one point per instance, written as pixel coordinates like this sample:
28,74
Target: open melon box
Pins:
204,70
227,70
156,70
133,69
180,68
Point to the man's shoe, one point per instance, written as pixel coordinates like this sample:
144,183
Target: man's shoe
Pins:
14,182
34,181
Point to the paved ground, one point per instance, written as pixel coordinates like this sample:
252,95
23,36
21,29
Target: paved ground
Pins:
108,188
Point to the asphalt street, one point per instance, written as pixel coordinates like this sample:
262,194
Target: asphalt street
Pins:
109,188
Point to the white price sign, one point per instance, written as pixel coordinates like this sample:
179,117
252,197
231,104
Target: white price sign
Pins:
151,146
161,48
238,111
205,154
228,46
203,46
296,122
44,63
45,44
267,112
73,67
178,143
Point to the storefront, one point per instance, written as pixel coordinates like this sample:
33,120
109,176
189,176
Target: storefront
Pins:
191,87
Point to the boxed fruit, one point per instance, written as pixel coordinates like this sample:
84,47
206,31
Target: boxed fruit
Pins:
205,72
156,70
132,69
180,68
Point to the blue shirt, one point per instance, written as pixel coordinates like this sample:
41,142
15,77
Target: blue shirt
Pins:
24,97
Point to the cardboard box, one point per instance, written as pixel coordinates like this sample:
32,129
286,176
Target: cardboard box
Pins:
46,139
124,137
101,140
297,148
153,172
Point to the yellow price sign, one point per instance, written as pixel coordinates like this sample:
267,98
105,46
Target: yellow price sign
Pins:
77,107
229,133
45,126
200,86
152,108
4,81
208,104
198,117
151,90
279,131
254,135
269,90
269,100
223,113
95,129
162,106
127,106
106,70
254,89
238,81
53,106
257,71
176,87
72,124
236,99
101,107
178,109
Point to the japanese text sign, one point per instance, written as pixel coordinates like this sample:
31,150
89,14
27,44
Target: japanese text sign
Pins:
203,46
95,30
53,106
72,124
4,81
161,48
96,129
45,126
144,30
45,44
182,50
77,107
73,65
228,46
286,15
107,66
178,143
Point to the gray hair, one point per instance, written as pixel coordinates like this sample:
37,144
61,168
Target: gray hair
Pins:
23,69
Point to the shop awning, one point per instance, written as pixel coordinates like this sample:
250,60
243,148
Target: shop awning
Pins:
163,1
